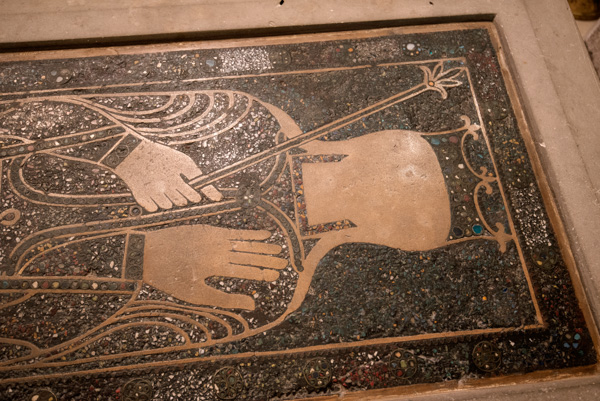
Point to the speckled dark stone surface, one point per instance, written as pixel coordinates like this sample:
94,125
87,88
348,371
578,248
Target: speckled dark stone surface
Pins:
80,322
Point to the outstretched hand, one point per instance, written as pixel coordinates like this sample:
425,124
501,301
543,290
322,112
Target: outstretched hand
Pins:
178,260
154,174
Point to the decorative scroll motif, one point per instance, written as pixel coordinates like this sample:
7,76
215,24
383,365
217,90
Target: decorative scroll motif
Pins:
479,226
486,177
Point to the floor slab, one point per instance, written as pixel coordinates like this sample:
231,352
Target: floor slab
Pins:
284,217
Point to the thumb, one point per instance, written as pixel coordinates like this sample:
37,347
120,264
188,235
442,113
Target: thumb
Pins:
212,193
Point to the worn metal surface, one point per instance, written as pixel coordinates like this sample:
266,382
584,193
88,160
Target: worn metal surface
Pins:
301,216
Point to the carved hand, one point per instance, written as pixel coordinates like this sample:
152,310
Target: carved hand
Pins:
154,174
178,260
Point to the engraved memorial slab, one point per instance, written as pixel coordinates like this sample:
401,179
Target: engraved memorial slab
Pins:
276,218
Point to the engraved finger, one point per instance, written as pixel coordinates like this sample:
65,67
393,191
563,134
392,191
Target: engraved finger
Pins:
254,259
251,273
249,235
214,297
145,201
255,247
176,197
189,193
162,201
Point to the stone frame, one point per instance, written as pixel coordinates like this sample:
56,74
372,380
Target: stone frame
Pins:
560,109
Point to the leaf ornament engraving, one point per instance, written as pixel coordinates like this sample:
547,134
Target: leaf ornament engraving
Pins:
486,179
439,79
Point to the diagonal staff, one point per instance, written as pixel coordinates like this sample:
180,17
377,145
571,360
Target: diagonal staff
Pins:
437,80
